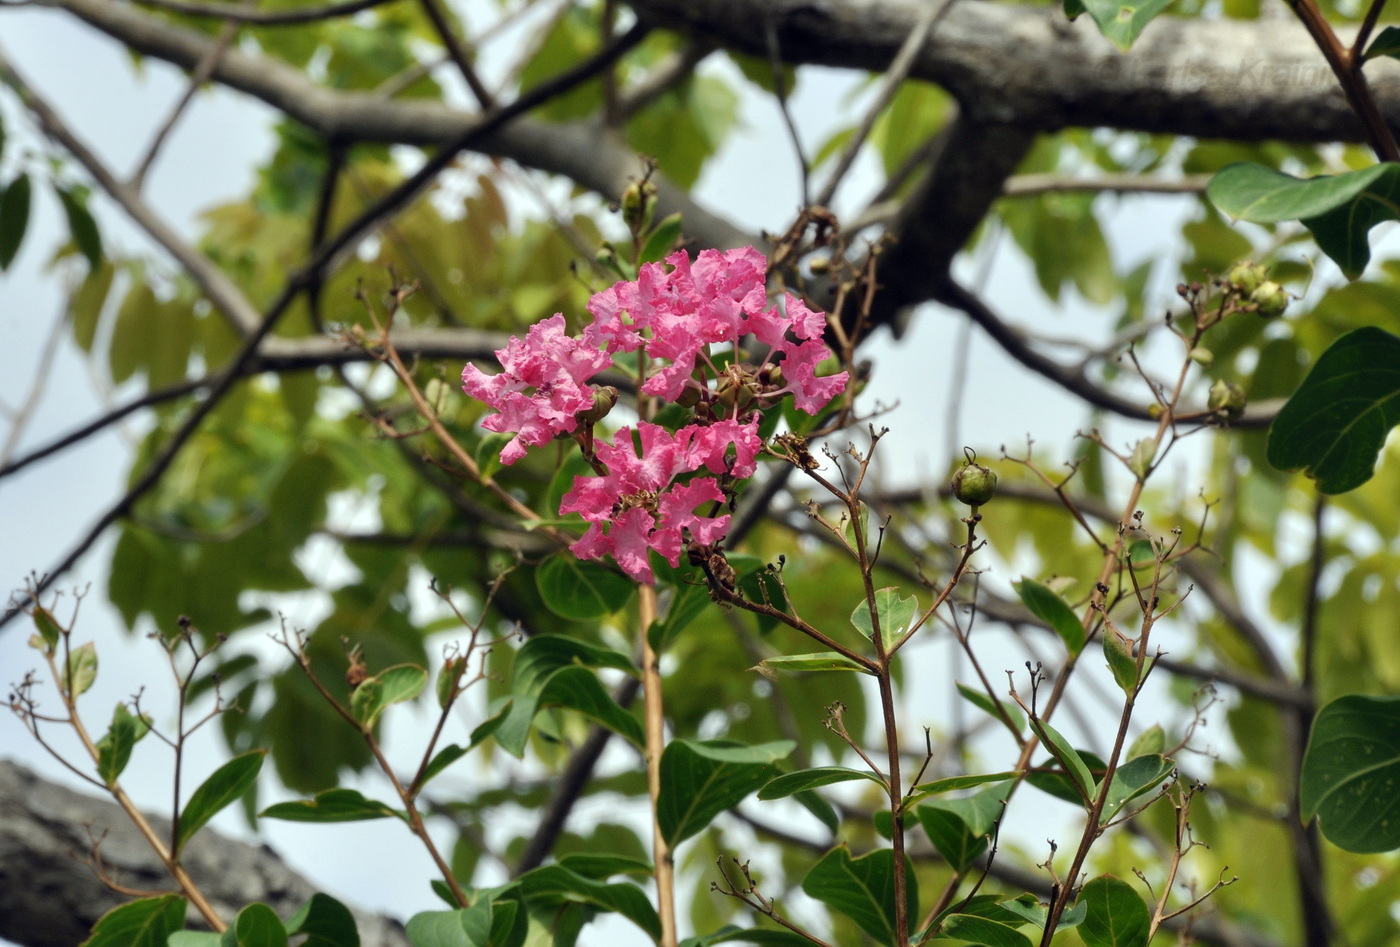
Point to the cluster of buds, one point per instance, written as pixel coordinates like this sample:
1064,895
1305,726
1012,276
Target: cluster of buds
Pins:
1252,282
649,482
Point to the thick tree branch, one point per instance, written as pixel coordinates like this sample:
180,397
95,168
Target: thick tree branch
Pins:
583,152
1030,67
47,831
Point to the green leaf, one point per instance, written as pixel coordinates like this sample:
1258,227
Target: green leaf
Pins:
702,778
14,218
581,589
1060,784
1054,611
958,828
1349,773
803,780
257,925
1119,654
442,759
1148,743
1132,779
600,867
85,305
1336,423
1116,915
554,671
324,922
555,884
817,661
80,223
896,615
49,630
1120,21
468,927
687,601
193,939
862,889
1385,44
393,685
951,783
223,786
764,937
82,669
144,923
984,930
333,805
114,749
979,699
662,239
1339,210
1067,756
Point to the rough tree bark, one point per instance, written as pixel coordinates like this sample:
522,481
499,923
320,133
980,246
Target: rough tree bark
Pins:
50,895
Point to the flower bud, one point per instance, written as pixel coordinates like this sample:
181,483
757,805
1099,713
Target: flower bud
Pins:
1271,298
633,205
1226,399
604,397
1203,357
974,484
1246,276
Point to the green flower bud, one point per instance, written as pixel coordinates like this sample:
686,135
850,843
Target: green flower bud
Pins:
1271,298
1246,276
604,397
974,484
633,206
1202,357
1226,399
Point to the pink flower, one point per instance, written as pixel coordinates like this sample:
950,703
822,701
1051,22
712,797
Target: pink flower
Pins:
637,505
809,391
541,390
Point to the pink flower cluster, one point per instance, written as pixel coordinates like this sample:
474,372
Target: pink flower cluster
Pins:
651,481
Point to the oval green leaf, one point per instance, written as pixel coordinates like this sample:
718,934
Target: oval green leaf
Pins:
14,218
580,589
790,783
1350,772
223,786
1339,210
702,778
257,925
1115,914
1336,423
1054,611
333,805
1120,21
148,922
325,922
862,889
391,686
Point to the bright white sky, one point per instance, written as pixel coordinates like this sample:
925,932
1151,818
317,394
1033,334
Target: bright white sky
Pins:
210,159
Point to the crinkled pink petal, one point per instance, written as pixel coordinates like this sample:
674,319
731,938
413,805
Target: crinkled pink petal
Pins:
677,510
629,535
712,445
